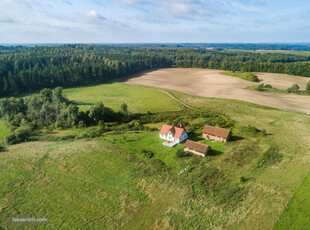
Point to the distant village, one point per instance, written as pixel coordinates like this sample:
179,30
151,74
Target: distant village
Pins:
174,135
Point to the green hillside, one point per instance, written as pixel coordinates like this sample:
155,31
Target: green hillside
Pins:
138,98
108,182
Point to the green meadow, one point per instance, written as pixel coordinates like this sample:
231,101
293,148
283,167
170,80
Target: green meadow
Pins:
242,75
4,130
256,181
136,142
296,215
138,98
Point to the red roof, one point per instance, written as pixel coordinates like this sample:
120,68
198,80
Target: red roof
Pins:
176,131
216,131
201,148
165,129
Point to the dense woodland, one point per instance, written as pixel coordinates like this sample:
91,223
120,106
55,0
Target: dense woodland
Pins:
29,69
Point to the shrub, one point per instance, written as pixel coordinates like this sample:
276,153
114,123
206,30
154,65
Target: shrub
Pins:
147,154
21,134
92,133
1,148
260,87
10,139
67,137
293,89
180,153
253,77
243,179
250,129
268,86
308,88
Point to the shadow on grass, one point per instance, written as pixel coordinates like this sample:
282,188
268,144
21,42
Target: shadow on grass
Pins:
214,153
81,103
236,138
2,149
195,137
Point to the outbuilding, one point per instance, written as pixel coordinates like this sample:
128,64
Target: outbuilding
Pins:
214,133
196,148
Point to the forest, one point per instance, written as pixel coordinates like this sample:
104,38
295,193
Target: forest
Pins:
32,69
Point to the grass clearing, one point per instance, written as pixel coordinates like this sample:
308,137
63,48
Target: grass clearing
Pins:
135,142
242,75
4,130
139,99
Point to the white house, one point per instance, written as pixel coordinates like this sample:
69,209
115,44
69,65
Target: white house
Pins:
173,133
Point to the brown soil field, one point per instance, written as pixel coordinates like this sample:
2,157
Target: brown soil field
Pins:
282,81
210,83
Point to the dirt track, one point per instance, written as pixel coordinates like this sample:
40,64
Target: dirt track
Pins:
209,83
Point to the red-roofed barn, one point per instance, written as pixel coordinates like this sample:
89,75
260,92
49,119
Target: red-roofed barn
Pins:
196,148
214,133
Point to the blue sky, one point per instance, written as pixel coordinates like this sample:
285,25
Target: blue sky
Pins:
143,21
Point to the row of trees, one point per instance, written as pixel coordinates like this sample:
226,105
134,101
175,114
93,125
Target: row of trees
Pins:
70,65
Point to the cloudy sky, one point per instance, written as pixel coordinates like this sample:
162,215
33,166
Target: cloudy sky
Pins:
144,21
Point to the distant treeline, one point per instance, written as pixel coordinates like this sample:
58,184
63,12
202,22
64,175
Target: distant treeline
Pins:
36,68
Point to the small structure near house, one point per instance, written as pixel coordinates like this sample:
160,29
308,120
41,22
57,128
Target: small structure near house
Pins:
173,133
196,148
214,133
170,144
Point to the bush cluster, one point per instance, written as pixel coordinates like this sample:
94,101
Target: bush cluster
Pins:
270,157
21,134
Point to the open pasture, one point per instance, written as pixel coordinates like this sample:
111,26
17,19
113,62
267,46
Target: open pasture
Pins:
139,99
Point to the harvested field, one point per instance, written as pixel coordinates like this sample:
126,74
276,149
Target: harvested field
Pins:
210,83
282,81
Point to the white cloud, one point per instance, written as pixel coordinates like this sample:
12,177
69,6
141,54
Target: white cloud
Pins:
92,14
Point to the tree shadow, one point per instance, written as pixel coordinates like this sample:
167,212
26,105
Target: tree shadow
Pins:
81,103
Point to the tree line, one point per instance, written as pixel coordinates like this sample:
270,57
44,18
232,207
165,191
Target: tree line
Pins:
30,69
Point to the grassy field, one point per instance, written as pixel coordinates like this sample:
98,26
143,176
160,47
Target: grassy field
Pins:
298,52
245,184
135,142
242,75
4,130
139,99
267,90
83,184
274,90
296,216
275,186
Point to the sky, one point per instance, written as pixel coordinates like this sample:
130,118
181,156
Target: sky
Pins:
154,21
